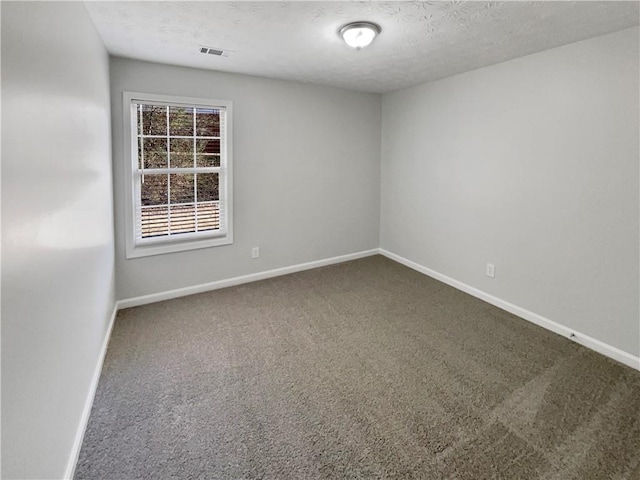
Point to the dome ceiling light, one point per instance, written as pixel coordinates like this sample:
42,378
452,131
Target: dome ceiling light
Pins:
359,34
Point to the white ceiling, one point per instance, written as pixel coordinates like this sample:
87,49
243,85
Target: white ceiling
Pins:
420,41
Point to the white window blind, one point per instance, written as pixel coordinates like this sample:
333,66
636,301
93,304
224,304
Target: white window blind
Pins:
180,167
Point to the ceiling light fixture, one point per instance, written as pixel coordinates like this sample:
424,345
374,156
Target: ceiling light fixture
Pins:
359,34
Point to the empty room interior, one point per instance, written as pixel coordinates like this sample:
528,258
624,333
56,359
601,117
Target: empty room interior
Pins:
320,240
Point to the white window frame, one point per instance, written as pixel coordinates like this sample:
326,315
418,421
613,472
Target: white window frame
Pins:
186,241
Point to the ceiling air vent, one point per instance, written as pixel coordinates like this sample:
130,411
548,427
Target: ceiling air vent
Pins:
218,52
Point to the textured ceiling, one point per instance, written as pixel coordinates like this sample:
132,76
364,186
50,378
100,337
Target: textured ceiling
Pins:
420,41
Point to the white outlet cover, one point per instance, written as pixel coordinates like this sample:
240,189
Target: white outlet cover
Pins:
491,270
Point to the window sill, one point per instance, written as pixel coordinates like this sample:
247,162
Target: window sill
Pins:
174,246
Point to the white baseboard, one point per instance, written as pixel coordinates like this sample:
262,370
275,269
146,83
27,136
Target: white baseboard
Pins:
585,340
230,282
84,420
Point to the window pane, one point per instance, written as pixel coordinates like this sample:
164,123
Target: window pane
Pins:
182,190
180,121
207,122
155,221
153,190
155,153
208,216
207,160
181,152
154,120
183,218
208,188
138,118
180,160
207,146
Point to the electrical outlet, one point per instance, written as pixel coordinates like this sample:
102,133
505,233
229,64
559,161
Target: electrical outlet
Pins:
491,270
255,252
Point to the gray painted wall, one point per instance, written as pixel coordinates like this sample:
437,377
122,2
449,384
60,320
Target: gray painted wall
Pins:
306,175
531,165
57,229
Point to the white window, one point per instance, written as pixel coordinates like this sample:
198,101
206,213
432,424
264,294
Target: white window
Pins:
178,153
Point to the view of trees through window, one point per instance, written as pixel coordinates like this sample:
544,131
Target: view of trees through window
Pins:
178,160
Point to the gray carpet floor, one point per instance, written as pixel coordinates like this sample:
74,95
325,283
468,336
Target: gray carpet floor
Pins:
365,369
